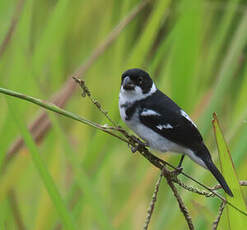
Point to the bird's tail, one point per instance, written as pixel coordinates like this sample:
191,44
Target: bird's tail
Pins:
213,169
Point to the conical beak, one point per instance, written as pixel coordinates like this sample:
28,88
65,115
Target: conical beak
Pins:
128,83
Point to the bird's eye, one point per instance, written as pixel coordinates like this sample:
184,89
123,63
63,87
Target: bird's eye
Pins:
140,80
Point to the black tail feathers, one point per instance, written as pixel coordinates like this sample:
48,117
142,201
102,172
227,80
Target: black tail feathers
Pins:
212,168
203,153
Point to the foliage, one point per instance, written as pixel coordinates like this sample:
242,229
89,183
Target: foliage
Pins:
196,53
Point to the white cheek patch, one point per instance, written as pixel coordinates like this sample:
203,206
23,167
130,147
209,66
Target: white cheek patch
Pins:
148,112
131,96
184,114
166,126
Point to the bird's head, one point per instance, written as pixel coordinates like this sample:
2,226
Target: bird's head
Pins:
137,84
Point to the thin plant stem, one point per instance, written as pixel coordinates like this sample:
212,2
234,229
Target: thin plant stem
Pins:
153,201
182,206
217,220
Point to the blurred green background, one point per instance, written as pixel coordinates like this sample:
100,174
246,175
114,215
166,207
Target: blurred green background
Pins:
195,50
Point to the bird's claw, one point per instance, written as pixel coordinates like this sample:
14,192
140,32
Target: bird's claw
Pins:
134,149
176,172
138,144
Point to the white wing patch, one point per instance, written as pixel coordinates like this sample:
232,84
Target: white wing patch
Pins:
149,112
184,114
166,126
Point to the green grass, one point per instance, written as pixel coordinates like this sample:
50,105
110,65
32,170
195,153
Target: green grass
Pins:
233,219
40,165
81,178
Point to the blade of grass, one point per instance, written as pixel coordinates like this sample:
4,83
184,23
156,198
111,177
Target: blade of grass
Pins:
184,54
3,214
220,37
55,196
11,30
239,148
52,35
240,106
147,37
45,216
236,219
226,73
12,175
83,181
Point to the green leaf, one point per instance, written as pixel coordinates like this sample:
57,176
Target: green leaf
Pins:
236,220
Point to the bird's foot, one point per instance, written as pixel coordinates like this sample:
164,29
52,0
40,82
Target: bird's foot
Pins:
138,144
133,148
176,171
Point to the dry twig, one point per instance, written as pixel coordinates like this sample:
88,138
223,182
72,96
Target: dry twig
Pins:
217,220
192,189
153,201
86,92
241,183
182,206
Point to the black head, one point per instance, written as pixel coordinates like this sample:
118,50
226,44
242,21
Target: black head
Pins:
136,77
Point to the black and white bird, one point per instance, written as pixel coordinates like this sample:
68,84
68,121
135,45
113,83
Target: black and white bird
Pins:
160,122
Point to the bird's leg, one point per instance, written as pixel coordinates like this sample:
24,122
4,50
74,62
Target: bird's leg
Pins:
179,169
180,162
139,145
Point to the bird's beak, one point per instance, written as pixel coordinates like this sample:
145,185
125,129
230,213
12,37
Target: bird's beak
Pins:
128,84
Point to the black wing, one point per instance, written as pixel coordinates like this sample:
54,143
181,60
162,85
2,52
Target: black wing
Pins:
169,123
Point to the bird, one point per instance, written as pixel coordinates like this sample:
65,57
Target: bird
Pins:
161,123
